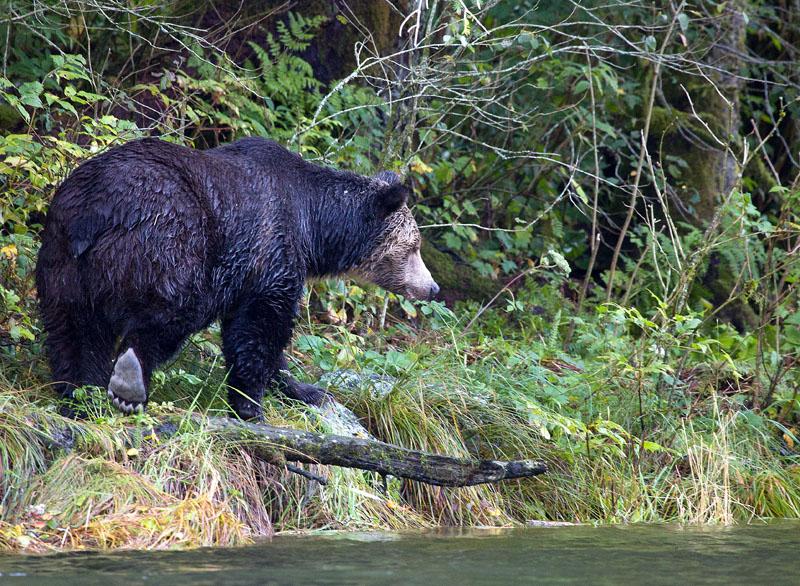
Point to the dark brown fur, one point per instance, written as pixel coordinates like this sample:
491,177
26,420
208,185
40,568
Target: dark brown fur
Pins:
150,242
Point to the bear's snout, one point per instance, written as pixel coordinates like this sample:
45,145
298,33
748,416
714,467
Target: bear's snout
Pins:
434,292
419,283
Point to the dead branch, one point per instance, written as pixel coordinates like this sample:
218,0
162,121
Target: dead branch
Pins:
280,444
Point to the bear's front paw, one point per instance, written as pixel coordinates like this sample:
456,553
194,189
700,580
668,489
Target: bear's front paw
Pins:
126,388
309,394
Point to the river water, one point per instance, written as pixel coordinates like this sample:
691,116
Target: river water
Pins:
638,554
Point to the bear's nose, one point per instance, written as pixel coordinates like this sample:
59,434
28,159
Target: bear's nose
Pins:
433,292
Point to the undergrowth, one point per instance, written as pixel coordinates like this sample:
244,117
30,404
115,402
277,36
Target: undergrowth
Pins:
639,451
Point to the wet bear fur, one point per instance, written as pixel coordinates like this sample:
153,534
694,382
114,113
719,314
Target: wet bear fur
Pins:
150,242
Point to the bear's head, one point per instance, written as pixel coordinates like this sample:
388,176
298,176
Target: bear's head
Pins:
394,262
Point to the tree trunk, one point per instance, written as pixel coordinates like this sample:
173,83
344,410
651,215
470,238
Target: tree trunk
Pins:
712,169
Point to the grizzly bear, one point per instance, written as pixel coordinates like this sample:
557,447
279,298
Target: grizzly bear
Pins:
150,242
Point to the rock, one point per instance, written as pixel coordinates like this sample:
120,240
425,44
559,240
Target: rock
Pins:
377,385
339,419
537,523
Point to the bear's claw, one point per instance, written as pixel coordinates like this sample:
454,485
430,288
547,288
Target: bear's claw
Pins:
126,407
126,388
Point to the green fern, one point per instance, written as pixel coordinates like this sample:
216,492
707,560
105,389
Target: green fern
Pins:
281,96
554,337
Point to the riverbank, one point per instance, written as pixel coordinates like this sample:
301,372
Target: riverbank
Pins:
630,434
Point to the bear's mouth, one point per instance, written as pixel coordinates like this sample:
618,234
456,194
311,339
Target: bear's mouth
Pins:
428,293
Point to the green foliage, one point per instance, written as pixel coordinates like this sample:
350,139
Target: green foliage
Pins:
17,323
31,166
276,95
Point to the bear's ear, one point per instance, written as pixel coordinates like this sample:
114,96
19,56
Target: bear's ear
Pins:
391,198
389,177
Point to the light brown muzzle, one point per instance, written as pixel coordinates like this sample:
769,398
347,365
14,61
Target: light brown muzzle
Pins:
419,283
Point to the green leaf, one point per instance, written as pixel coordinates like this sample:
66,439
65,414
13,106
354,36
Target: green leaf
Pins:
581,86
579,190
21,109
452,241
68,107
408,307
32,101
17,332
190,379
31,88
683,21
29,93
652,446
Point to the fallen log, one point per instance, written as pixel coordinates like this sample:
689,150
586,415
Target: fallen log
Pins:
280,444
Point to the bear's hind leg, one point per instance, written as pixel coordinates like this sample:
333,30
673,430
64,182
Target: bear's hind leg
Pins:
127,388
97,351
64,354
143,353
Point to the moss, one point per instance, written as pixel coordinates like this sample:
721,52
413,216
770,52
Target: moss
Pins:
758,175
665,120
458,280
701,182
698,185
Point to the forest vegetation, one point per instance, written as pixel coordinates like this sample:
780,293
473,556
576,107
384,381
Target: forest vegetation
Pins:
609,193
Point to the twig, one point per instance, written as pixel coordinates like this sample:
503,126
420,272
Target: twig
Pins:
307,474
640,165
594,239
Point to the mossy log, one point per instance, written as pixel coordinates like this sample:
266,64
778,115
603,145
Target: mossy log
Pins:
280,444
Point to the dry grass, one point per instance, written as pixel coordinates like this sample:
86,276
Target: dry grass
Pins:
119,484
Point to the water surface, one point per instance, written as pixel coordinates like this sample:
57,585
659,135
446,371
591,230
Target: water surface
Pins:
754,554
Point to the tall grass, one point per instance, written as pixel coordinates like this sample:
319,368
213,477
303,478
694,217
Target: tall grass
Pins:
505,390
